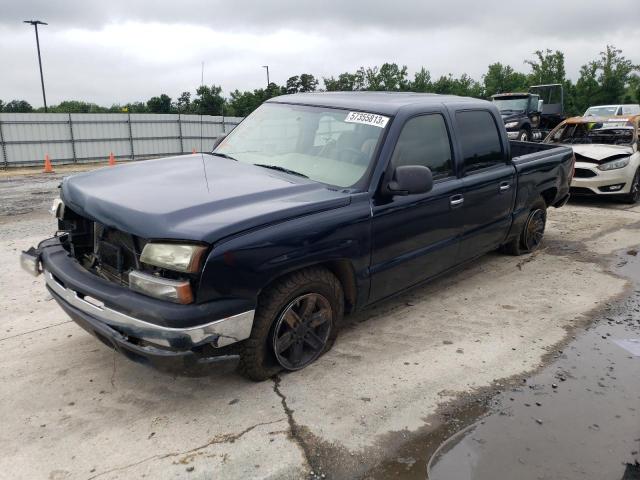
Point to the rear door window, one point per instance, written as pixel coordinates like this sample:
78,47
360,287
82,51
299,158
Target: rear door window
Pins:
479,139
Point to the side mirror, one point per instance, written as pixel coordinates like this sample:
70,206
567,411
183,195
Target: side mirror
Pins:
410,180
540,103
218,141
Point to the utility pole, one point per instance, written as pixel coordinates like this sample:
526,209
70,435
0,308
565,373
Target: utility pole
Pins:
35,23
267,67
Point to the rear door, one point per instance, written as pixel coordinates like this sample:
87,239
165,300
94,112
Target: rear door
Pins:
416,236
489,183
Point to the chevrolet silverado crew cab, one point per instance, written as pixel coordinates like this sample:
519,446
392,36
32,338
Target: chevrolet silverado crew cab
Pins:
316,205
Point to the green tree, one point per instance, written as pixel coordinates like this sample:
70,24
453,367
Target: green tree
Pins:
614,74
388,77
1,105
548,67
503,79
587,89
183,104
345,82
77,106
421,81
209,100
17,106
303,83
464,86
161,104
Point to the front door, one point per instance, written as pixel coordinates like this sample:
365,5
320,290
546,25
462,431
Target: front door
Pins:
416,236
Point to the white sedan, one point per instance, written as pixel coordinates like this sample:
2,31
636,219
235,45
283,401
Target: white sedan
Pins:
607,155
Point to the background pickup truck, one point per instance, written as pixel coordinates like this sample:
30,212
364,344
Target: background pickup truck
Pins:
314,206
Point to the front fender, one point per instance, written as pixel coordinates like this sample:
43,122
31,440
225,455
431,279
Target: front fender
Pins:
242,266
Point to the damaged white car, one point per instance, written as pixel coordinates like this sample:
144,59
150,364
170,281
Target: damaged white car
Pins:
607,155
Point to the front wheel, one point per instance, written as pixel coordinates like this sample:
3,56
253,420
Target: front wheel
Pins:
532,232
296,322
634,193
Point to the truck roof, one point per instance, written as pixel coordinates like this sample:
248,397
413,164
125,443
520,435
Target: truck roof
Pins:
385,103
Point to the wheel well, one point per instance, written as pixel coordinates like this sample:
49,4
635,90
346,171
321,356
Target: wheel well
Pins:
549,195
343,270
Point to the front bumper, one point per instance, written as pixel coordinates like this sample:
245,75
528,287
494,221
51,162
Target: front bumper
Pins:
134,323
601,180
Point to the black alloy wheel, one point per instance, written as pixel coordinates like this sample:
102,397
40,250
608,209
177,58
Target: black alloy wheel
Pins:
302,331
534,229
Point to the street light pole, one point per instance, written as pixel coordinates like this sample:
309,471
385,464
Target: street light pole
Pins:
35,23
267,67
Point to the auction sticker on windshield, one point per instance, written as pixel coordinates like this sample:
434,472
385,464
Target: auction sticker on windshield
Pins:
367,119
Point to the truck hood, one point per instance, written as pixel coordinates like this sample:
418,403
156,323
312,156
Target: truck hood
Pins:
600,153
194,197
511,117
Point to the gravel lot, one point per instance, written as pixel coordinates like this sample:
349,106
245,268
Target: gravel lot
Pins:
71,408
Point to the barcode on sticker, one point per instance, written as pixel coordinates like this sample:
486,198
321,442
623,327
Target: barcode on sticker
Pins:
367,119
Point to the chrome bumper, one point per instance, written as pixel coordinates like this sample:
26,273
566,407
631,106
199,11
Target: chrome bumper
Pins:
219,333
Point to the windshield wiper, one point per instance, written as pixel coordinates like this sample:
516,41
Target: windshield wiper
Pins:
280,169
223,155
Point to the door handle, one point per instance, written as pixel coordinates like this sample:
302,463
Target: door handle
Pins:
504,186
456,200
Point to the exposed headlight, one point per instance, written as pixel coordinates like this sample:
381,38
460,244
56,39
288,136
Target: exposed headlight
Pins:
177,291
173,256
621,163
57,208
511,125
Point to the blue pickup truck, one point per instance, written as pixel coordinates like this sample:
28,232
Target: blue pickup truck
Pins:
315,206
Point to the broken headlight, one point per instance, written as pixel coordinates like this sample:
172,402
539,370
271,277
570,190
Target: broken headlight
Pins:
174,256
615,164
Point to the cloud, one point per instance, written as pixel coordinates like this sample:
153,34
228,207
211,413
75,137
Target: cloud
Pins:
119,51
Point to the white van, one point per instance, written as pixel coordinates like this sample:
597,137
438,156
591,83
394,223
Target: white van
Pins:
612,110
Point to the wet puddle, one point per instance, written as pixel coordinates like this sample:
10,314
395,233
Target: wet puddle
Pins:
579,418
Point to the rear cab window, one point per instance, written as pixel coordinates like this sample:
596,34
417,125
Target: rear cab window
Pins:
479,139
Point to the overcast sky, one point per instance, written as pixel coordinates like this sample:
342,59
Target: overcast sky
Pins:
117,51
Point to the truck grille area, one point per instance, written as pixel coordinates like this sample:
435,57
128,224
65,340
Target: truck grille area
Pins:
115,253
105,251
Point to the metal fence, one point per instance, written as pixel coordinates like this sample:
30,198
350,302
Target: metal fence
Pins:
25,138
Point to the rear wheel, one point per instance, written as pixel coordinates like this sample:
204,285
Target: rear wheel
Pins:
524,135
532,232
296,322
634,193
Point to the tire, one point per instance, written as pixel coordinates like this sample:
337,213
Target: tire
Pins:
634,194
283,306
524,136
530,237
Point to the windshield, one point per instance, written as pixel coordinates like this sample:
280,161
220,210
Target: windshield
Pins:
327,145
610,133
601,111
511,104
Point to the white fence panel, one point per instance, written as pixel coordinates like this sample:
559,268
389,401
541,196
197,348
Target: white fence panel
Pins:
25,138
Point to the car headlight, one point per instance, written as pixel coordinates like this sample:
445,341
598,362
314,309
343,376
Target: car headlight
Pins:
511,125
57,208
613,165
173,256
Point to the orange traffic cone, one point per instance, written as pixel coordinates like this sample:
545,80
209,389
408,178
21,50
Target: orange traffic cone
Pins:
112,160
47,165
193,151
